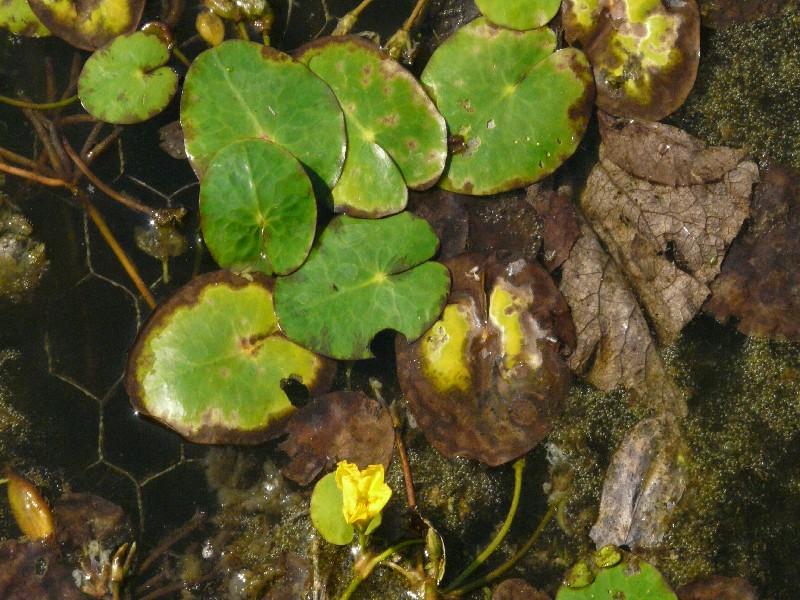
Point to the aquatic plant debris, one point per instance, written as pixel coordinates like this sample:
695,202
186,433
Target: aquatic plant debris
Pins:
333,427
88,24
257,208
760,277
488,380
667,233
644,53
519,106
210,361
127,81
395,135
244,90
340,299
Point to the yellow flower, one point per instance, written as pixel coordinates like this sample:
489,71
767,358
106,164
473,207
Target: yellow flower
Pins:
364,493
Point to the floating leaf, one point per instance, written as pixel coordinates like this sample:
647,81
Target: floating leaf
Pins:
520,107
644,53
519,14
88,24
487,381
339,426
327,513
127,82
395,135
364,276
257,208
632,578
210,362
17,17
246,90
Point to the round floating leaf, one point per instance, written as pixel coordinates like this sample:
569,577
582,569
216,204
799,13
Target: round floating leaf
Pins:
17,17
327,513
210,361
257,208
364,276
519,14
88,24
631,577
127,82
246,90
520,108
488,380
394,131
644,53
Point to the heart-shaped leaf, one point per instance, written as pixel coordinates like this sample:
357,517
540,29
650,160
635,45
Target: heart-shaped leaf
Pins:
327,514
519,14
257,208
246,90
519,107
127,82
392,126
88,24
210,362
364,276
644,53
17,17
488,380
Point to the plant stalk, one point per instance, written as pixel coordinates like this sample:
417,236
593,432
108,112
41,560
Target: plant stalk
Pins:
41,105
365,571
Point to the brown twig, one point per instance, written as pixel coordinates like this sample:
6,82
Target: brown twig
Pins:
90,139
24,161
44,137
102,145
74,120
112,242
130,203
30,175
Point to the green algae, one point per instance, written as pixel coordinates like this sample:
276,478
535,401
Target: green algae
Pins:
747,91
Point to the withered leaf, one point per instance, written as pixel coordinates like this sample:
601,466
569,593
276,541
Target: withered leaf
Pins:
338,426
614,342
560,227
668,240
664,154
760,278
488,379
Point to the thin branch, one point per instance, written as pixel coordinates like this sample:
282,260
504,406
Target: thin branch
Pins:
49,181
117,249
130,203
102,145
23,160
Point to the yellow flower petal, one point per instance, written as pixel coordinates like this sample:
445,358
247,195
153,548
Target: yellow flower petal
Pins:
364,493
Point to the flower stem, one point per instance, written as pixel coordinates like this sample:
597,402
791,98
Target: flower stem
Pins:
365,571
40,106
519,466
492,575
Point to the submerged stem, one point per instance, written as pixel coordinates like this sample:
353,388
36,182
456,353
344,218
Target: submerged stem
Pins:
492,575
365,571
519,466
41,105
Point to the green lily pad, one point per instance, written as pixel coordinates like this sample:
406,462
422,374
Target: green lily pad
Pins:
519,107
363,276
246,90
327,512
210,361
519,14
88,24
394,132
127,82
631,578
17,17
257,208
644,53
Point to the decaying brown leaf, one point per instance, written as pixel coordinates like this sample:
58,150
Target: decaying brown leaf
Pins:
338,426
760,277
488,379
615,346
660,210
669,240
560,227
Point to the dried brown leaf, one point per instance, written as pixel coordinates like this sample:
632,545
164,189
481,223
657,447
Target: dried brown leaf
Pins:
615,346
560,227
668,241
760,278
338,426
